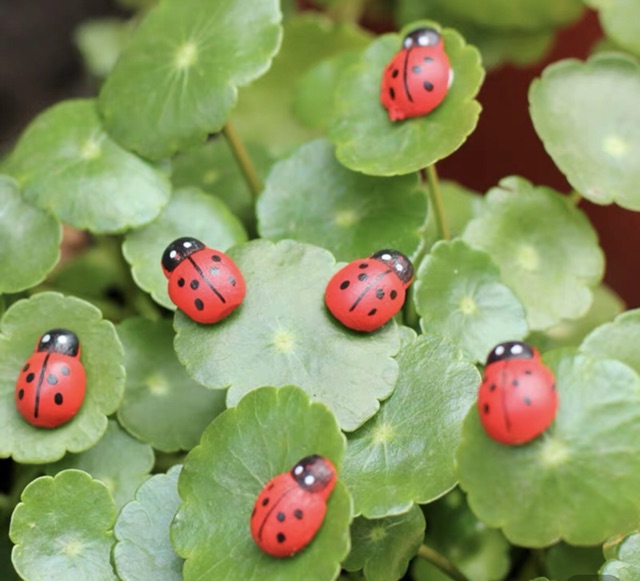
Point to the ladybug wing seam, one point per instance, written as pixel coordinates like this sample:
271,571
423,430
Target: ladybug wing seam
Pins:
368,288
213,288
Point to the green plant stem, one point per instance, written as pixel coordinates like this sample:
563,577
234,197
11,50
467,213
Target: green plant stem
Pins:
346,10
441,562
575,198
437,206
244,161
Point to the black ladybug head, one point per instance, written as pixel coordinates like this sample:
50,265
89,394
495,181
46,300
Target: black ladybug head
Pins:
400,264
511,350
59,341
421,37
177,251
314,473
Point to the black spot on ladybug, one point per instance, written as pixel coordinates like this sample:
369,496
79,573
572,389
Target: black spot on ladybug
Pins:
395,73
232,281
52,379
30,377
21,394
181,282
214,271
553,387
393,294
428,86
527,401
416,69
280,516
25,367
194,284
372,312
281,538
362,276
428,59
392,93
380,293
298,514
528,372
492,387
216,258
65,370
515,383
344,285
363,265
58,398
485,408
199,304
270,486
265,501
253,513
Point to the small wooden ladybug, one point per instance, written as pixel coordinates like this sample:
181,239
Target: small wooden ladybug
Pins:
517,399
367,292
290,509
418,77
204,283
51,386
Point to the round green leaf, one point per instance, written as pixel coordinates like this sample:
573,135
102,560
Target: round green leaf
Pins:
20,328
100,42
118,460
405,453
546,249
162,405
458,294
621,21
62,529
481,553
176,80
365,138
189,213
143,549
384,547
579,480
287,336
625,566
564,560
308,39
312,198
617,340
587,118
66,163
29,238
244,447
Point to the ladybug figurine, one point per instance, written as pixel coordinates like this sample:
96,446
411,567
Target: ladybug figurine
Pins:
367,292
51,386
418,77
290,509
204,283
517,399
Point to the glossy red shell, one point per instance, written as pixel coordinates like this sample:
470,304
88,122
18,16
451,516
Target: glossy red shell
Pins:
415,81
286,517
365,294
50,389
207,286
517,399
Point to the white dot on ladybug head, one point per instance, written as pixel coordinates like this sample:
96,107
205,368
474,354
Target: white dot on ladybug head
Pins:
499,350
173,254
309,480
46,338
386,257
399,267
187,245
298,470
516,349
423,41
62,339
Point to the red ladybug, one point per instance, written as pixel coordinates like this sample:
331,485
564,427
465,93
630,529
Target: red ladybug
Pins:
203,283
367,292
418,77
291,507
51,385
517,399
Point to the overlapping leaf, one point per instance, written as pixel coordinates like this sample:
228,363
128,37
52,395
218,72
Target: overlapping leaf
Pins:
67,164
587,118
458,294
283,334
162,405
29,239
559,486
367,141
118,460
312,198
621,21
176,80
405,453
100,42
546,249
266,434
564,561
143,549
625,565
62,529
382,548
20,328
190,213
